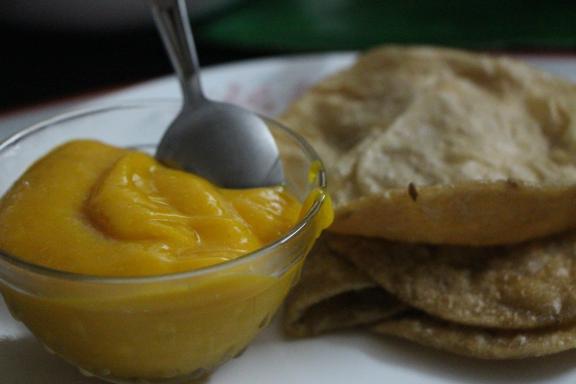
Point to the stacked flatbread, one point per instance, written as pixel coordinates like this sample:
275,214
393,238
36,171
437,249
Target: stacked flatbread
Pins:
454,181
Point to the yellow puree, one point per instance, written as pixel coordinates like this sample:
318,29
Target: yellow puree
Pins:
99,210
95,209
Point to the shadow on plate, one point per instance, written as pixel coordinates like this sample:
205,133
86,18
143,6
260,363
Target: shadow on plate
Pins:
24,361
460,369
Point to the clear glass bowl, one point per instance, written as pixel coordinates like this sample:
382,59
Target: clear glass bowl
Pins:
166,328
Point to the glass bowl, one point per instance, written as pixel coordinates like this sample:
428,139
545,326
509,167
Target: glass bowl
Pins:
164,328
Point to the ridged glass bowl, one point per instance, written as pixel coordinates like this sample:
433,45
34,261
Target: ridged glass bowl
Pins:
166,328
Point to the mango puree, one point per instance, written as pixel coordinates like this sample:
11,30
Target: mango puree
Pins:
94,209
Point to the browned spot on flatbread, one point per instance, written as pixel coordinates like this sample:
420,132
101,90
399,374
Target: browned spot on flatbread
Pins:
412,192
512,183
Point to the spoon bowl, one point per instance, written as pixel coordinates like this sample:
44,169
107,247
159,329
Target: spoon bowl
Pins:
225,144
228,145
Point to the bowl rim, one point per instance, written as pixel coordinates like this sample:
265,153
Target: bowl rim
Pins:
299,227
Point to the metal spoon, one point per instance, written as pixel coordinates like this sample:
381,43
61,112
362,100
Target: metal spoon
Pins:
225,144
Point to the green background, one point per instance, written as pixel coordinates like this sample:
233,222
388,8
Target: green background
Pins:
297,25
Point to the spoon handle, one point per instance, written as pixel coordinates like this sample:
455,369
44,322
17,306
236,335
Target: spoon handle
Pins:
171,18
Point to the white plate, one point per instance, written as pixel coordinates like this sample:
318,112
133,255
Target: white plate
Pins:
351,357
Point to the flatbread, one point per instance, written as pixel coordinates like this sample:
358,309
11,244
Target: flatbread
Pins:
478,342
333,294
446,147
521,286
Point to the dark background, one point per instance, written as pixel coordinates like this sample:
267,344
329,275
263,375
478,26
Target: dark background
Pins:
48,65
43,64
